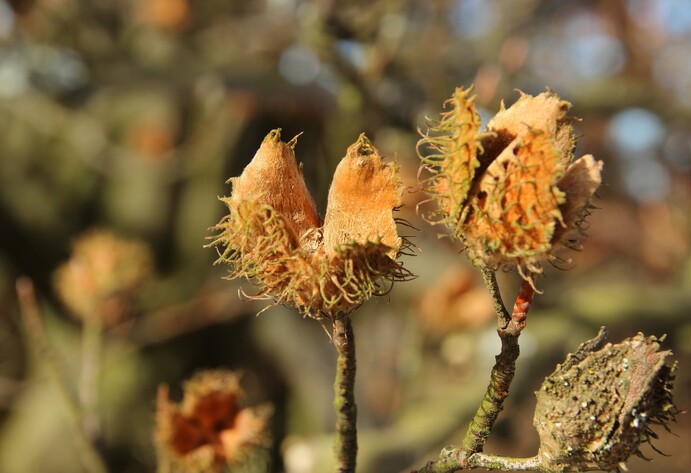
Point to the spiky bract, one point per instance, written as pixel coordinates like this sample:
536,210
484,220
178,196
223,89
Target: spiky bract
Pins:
454,145
321,271
511,194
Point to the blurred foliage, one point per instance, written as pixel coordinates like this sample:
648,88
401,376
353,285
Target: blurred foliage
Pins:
130,115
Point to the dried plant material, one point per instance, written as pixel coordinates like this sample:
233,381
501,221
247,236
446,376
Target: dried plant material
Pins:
454,302
272,234
152,139
525,200
169,14
515,206
210,429
274,178
103,276
545,112
579,183
363,193
259,244
454,143
596,409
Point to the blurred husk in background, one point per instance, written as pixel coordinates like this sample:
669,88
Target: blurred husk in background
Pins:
210,430
100,281
128,116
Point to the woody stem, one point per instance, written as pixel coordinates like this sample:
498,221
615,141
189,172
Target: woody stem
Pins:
509,327
345,447
448,463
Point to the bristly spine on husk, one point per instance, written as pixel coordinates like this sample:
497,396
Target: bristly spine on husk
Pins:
454,143
514,209
320,280
511,194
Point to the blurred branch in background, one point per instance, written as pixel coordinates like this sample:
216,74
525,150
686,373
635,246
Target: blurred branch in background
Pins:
33,324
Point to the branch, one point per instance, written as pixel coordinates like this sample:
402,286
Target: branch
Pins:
33,323
509,328
495,462
448,462
490,280
92,347
346,446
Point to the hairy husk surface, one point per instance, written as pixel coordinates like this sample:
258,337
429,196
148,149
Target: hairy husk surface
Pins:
322,271
513,195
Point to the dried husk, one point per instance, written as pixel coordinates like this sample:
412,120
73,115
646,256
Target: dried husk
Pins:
579,183
545,112
324,271
454,302
454,143
210,429
515,206
274,178
599,407
102,278
363,193
521,197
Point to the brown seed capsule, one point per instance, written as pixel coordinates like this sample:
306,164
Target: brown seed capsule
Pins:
211,429
103,276
511,196
273,236
599,407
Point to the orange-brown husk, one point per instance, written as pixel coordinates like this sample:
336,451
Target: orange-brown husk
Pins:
210,429
274,178
454,143
515,206
329,271
518,203
363,195
103,276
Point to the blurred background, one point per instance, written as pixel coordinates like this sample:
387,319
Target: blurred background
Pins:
128,116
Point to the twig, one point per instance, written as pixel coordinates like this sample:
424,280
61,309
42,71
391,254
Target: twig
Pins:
345,447
33,323
509,328
490,280
207,308
495,462
448,462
